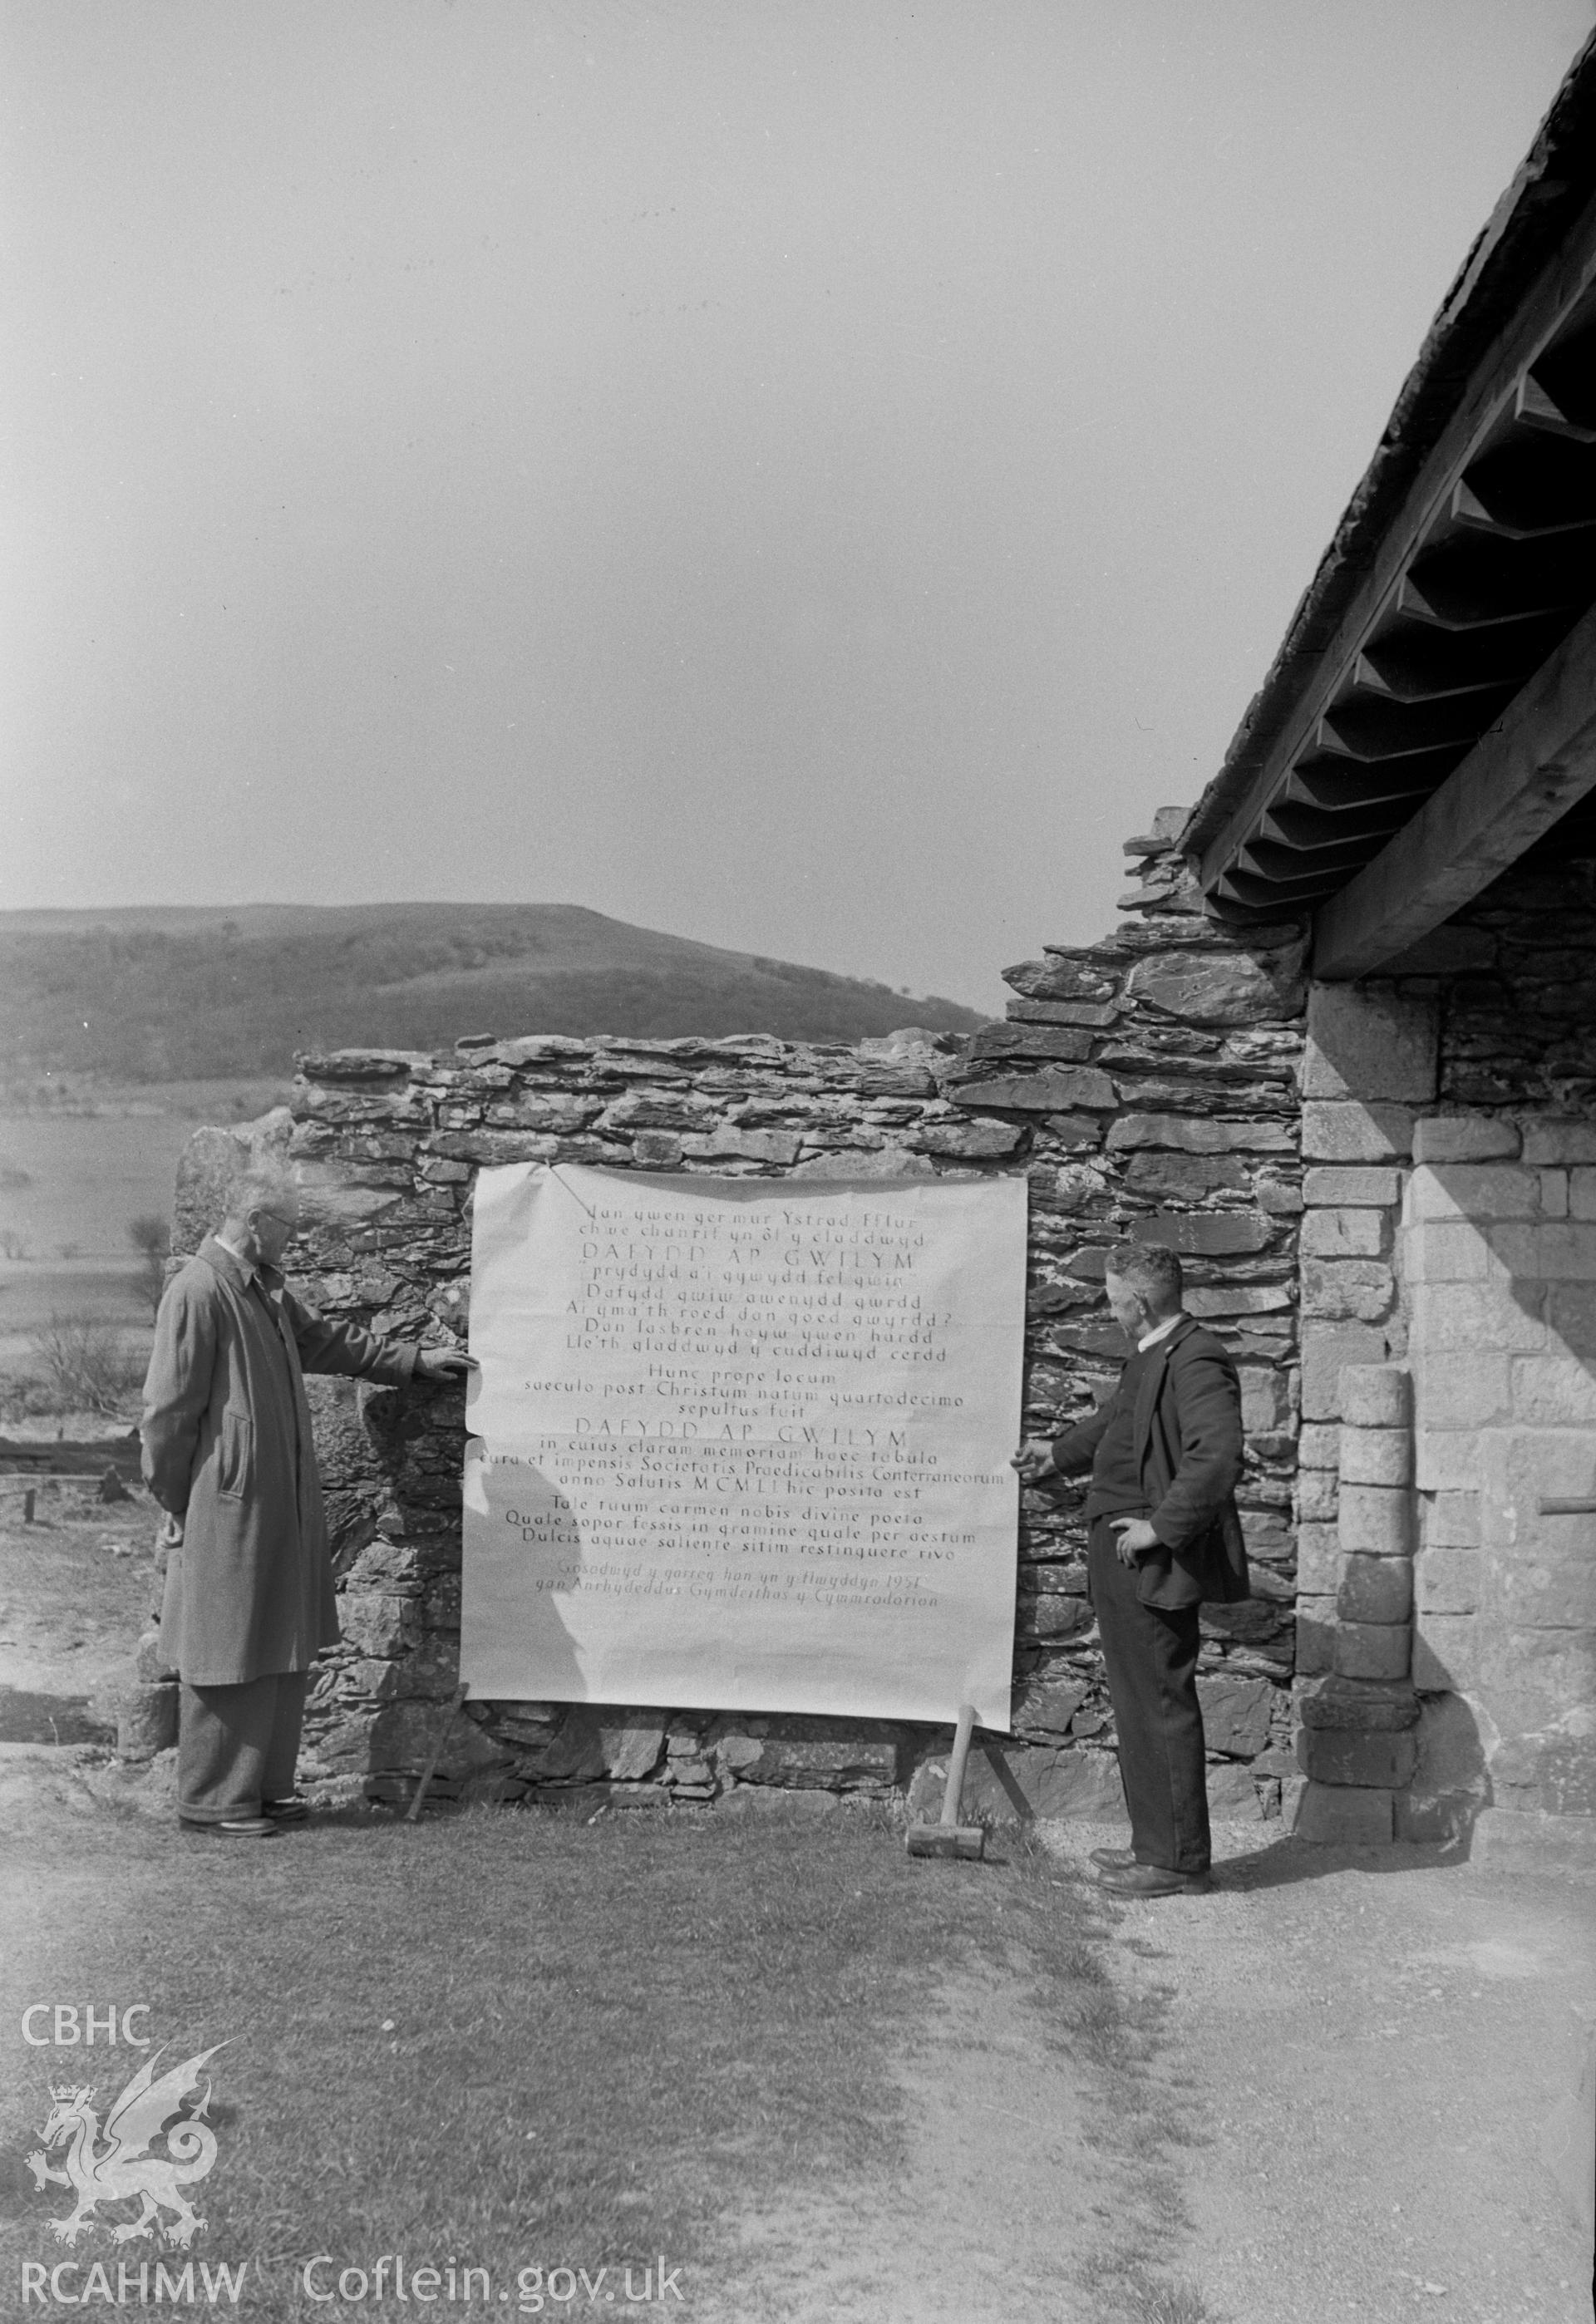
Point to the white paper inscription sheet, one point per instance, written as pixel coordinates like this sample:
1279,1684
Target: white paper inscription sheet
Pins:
744,1445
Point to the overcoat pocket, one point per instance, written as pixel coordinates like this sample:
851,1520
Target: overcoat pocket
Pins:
237,1455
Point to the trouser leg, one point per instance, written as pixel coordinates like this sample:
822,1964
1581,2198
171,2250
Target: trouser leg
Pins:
282,1754
229,1738
1151,1659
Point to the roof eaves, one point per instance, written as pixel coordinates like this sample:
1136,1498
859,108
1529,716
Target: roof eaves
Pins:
1551,188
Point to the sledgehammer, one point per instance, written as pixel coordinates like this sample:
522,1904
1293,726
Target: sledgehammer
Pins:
949,1837
430,1769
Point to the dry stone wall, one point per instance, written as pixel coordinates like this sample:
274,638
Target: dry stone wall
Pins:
1146,1086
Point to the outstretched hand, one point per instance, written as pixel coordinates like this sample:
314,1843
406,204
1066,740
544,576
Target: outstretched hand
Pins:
444,1363
1034,1459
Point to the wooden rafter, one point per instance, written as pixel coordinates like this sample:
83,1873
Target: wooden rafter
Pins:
1536,762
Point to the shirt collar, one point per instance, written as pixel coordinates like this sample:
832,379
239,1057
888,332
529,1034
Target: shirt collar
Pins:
252,1271
1159,1332
246,1267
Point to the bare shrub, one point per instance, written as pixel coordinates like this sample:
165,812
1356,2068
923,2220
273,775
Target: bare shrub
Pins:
25,1397
87,1363
1177,2302
151,1237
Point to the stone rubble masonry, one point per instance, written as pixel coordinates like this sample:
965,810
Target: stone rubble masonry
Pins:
1376,1456
1465,1137
1433,1134
1371,1649
1495,1264
1369,1064
1360,1706
1559,1143
1349,1290
1318,1495
1454,1107
1162,1085
1448,1580
1327,1350
1351,1188
1337,1815
1344,1234
1378,1761
1146,1087
1376,1520
1355,1610
1371,1041
1369,1060
1318,1560
1376,1395
1193,1147
1343,1130
1376,1590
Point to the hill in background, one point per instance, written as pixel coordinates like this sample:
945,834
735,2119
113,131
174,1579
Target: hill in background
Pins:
157,994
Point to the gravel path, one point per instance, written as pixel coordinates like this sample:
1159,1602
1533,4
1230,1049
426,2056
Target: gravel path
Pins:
1391,2063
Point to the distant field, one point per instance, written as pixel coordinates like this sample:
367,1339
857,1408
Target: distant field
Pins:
78,1179
32,1292
71,1182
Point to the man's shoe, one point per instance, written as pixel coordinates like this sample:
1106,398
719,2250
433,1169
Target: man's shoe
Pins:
291,1810
1152,1880
259,1827
1113,1859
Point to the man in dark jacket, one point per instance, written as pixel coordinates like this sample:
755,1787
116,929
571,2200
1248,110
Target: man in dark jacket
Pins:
1165,1453
249,1601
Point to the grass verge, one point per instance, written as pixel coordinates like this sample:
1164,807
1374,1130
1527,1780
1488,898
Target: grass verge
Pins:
507,2039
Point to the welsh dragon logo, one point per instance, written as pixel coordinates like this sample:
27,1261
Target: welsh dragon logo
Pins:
124,2169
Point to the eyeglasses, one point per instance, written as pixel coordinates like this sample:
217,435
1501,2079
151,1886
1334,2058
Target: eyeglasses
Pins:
292,1225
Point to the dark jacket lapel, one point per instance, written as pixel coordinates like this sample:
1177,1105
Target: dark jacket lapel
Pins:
1151,1386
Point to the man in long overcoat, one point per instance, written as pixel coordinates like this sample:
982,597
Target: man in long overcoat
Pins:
249,1598
1164,1453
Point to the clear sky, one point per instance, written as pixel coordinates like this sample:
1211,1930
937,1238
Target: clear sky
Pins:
811,475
